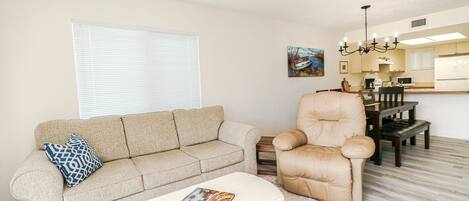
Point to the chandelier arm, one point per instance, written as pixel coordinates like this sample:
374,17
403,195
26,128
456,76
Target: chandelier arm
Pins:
351,51
348,53
380,51
382,48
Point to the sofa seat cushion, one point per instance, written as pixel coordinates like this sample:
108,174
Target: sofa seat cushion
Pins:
324,164
116,179
166,167
215,154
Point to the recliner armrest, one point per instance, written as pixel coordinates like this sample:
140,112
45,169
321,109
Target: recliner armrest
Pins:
37,180
289,140
358,147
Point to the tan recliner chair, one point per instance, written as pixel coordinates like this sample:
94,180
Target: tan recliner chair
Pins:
324,157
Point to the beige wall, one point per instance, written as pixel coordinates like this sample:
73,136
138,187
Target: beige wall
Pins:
242,57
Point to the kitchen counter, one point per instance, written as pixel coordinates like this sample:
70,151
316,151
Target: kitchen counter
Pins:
418,90
446,110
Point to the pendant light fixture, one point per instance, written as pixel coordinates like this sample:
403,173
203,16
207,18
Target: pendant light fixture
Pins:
367,47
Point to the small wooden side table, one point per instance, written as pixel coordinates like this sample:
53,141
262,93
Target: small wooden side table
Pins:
266,166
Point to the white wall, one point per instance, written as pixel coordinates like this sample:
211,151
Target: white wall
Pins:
243,63
446,112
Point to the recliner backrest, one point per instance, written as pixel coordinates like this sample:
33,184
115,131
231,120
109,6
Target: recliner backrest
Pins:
329,118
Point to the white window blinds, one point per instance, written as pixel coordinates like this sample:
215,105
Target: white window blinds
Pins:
124,71
420,59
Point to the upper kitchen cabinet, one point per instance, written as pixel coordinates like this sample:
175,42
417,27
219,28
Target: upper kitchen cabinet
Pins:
462,48
397,60
355,62
446,49
370,61
452,49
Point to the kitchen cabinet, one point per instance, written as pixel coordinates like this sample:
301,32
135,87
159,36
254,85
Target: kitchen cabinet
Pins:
462,48
446,49
355,62
370,61
452,49
397,57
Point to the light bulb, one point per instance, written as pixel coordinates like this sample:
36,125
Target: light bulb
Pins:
345,39
395,35
360,44
374,35
340,43
386,39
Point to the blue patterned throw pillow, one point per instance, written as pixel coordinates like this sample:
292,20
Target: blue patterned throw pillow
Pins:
76,159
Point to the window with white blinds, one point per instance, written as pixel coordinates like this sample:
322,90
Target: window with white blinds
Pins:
420,58
124,71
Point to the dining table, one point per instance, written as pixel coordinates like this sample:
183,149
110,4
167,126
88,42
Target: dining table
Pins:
375,112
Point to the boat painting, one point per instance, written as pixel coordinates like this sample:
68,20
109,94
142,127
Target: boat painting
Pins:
305,62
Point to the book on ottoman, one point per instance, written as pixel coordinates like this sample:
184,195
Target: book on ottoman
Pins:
203,194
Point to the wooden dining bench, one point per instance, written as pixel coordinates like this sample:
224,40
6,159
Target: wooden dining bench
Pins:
398,130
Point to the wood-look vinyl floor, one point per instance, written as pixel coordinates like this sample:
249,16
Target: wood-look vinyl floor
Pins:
438,174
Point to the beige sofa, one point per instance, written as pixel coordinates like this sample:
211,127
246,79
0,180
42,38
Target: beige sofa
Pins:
144,155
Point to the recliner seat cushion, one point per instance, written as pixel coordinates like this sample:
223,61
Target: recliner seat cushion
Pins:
166,167
325,164
150,132
215,154
105,134
114,180
198,125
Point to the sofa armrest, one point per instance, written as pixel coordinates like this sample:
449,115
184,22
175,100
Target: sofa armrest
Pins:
289,140
245,136
358,147
37,180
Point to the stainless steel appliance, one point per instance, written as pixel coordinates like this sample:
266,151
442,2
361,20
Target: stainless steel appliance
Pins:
372,83
369,83
405,81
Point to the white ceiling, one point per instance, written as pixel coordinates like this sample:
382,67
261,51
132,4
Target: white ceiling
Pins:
342,15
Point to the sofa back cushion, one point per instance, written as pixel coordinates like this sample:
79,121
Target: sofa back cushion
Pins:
198,125
329,118
150,132
105,134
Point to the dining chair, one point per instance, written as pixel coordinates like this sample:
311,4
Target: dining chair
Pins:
391,95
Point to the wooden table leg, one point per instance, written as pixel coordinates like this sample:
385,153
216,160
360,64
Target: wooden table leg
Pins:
413,140
397,152
427,138
377,123
412,115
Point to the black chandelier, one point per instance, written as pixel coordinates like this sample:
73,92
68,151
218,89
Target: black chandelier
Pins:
373,46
